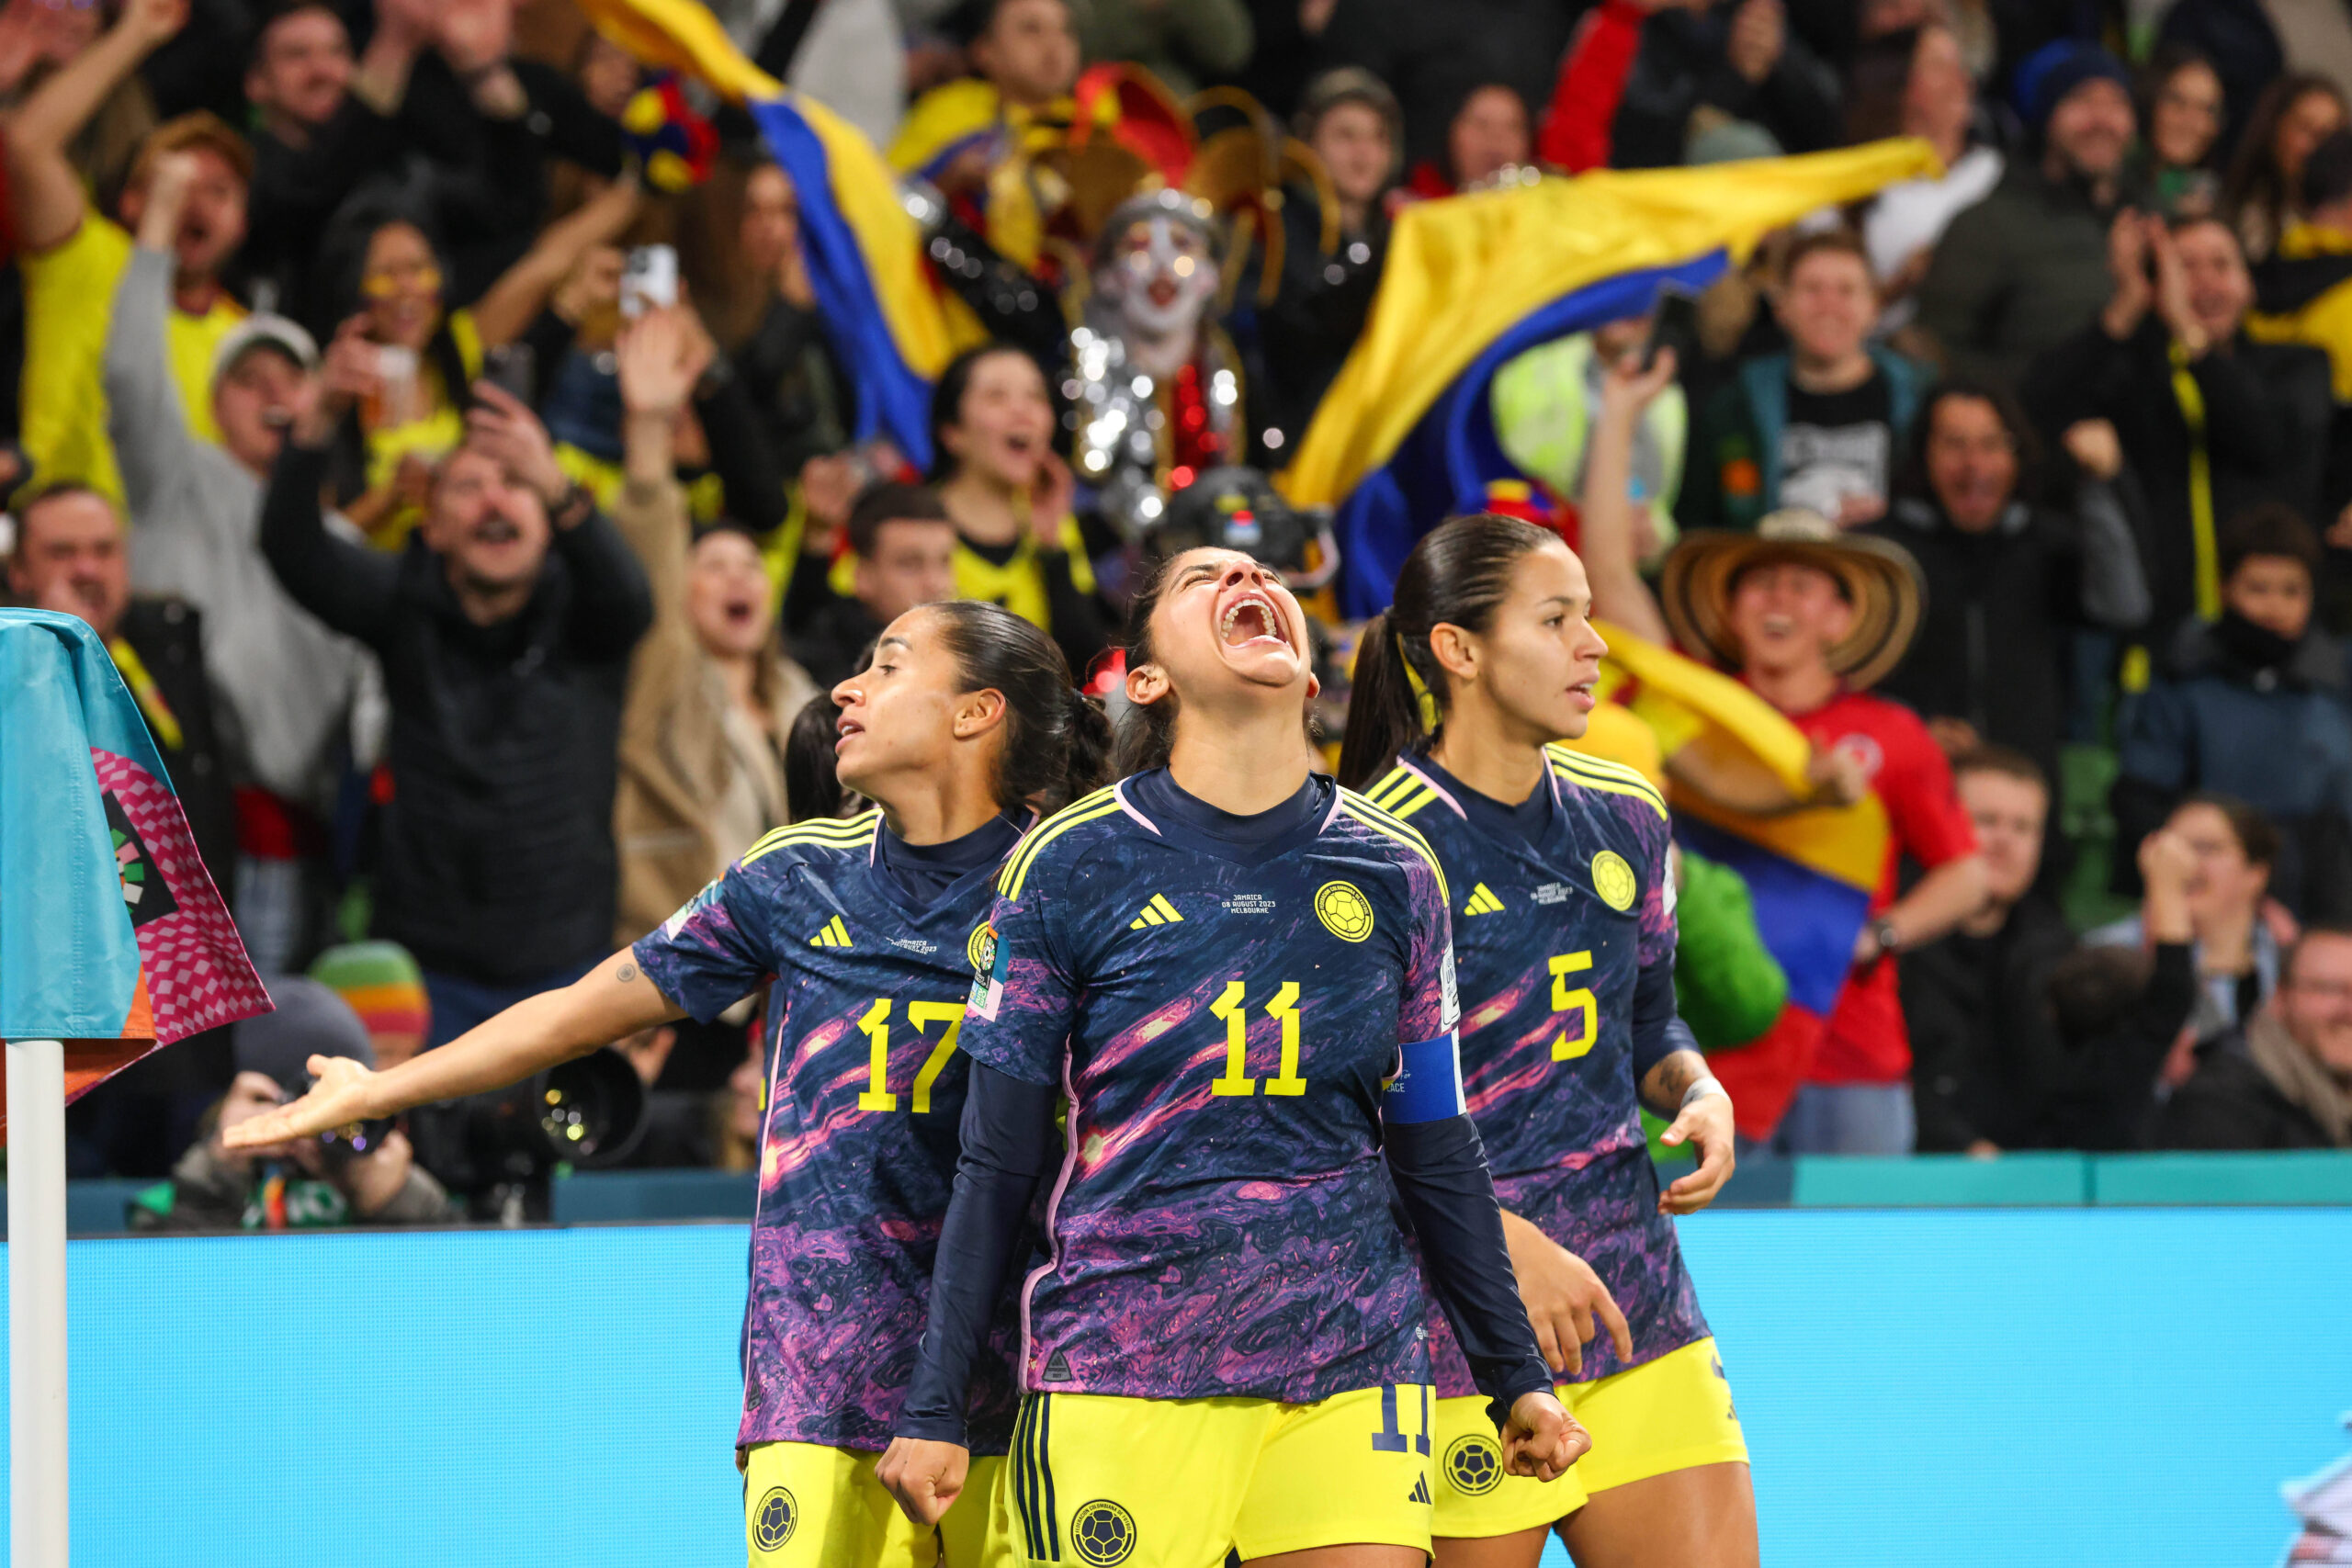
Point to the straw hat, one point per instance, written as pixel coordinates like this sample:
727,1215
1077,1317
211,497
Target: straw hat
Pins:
1881,581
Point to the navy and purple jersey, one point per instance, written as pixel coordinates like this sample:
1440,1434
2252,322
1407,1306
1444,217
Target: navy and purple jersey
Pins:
866,1087
1553,923
1221,1016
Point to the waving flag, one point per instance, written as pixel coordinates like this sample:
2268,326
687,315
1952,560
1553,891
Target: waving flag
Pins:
864,254
1405,436
112,938
1809,872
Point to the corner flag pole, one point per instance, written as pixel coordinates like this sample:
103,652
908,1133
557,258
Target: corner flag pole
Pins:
37,1426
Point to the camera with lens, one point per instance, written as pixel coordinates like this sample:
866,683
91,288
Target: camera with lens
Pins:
501,1149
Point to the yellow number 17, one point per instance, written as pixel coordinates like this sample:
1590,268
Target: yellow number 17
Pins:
1579,1000
877,1027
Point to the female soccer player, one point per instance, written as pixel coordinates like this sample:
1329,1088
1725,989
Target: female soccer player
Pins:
1239,977
963,725
1564,901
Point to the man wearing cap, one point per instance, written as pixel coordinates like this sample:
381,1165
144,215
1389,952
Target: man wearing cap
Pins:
195,511
73,257
2024,268
1809,617
309,1181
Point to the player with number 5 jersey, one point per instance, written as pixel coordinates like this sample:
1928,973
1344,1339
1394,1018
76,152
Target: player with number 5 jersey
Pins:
962,726
1239,977
1563,886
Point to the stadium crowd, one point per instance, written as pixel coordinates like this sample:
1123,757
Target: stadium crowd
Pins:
474,510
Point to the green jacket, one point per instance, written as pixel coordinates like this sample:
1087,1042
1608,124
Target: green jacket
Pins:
2018,273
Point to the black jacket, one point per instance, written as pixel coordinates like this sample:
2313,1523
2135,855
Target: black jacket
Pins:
168,637
497,850
2267,409
2230,1103
1992,646
2016,274
1988,1059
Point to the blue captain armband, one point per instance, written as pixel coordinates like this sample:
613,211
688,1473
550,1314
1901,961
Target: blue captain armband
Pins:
1428,1084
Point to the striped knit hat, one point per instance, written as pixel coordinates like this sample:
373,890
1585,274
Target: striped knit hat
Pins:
385,987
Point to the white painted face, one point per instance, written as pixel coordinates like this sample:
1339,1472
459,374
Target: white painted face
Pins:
1161,275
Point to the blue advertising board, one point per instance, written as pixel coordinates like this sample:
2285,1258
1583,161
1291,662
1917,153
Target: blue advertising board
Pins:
1943,1387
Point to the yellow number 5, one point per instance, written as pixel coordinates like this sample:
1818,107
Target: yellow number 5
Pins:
1579,1000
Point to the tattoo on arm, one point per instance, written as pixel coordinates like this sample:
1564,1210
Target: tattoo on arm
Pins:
626,973
1670,1079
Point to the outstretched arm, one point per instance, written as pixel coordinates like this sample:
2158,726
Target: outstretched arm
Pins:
611,1001
45,195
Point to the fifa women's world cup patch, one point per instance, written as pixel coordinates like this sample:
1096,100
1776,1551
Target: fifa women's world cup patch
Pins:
1428,1084
991,959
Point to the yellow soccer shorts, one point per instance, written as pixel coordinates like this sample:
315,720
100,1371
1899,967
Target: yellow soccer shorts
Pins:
1671,1414
1095,1481
805,1506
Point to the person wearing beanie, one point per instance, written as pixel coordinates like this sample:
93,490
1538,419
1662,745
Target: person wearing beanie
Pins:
384,987
2022,270
303,1184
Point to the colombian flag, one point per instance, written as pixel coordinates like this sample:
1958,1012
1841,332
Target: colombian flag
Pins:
1405,436
1809,874
881,314
112,938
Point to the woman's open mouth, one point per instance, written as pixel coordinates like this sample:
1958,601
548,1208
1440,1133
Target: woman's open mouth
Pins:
1253,618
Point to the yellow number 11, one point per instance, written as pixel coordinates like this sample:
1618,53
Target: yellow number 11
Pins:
1284,1008
877,1027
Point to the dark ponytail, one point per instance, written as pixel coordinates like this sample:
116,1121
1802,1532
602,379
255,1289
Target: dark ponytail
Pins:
1459,574
1147,730
1089,768
1054,736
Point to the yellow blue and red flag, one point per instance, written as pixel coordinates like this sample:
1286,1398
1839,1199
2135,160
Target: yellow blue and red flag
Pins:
881,313
112,937
1405,436
1810,873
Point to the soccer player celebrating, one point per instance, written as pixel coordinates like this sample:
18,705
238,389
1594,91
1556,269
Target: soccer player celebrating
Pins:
964,724
1561,883
1239,977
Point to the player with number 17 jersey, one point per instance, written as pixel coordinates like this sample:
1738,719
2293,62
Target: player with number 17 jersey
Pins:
858,1146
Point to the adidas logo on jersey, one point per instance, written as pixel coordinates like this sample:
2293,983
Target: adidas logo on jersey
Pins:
1158,912
1056,1370
1420,1493
1483,901
835,934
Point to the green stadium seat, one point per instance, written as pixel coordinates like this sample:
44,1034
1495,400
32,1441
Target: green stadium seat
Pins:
2279,1179
1941,1182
